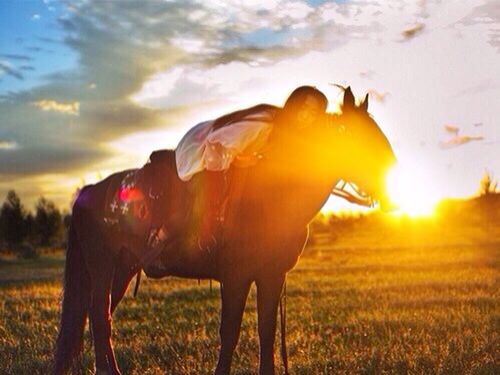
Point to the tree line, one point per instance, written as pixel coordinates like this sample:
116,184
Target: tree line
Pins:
23,231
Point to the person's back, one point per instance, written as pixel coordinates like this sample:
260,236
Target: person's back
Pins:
237,138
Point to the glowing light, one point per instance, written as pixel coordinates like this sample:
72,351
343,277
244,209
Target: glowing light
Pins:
411,190
130,194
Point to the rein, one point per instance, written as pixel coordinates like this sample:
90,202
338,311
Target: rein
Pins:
353,195
284,354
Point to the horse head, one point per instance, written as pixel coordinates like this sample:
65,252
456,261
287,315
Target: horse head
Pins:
350,148
363,152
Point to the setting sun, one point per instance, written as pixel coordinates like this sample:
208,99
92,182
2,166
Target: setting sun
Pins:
410,190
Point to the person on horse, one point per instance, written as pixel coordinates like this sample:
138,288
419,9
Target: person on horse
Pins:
238,140
142,204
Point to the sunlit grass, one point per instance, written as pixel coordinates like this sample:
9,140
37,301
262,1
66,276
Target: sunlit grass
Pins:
358,302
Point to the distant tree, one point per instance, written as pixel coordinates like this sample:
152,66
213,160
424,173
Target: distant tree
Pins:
12,220
487,185
29,223
66,220
48,221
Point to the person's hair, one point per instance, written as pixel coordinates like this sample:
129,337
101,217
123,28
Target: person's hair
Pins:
295,102
300,95
292,105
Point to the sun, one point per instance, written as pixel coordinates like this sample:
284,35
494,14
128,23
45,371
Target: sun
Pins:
411,190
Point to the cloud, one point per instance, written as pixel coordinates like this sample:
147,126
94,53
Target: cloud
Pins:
451,129
49,40
45,142
16,57
71,108
229,52
487,14
368,73
485,85
413,31
377,95
7,144
27,67
459,140
32,159
33,49
9,69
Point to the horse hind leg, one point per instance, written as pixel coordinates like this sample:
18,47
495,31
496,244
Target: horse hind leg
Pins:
100,320
119,284
234,296
269,291
75,305
101,265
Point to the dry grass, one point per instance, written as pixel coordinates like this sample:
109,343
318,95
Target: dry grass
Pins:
354,307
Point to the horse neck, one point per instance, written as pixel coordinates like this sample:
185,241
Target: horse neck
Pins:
289,183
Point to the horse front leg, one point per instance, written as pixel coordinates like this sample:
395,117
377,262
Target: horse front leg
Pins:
122,276
100,320
119,287
234,296
269,289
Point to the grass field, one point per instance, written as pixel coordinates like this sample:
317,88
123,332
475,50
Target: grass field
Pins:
354,307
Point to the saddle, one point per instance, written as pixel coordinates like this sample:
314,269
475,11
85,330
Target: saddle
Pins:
143,198
155,206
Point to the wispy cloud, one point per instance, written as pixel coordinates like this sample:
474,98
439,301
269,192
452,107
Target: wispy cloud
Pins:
412,31
33,49
378,95
16,57
7,144
27,67
487,14
368,73
451,128
9,69
72,108
459,140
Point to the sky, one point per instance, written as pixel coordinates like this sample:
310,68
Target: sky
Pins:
88,88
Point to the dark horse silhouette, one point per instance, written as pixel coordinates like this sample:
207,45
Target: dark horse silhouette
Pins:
264,231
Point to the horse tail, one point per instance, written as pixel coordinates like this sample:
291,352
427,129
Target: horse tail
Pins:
75,302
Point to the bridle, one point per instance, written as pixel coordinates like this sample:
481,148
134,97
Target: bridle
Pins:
346,189
352,193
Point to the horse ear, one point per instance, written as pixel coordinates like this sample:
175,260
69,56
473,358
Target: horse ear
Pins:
349,101
364,103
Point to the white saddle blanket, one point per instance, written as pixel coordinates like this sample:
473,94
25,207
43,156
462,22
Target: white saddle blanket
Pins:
238,143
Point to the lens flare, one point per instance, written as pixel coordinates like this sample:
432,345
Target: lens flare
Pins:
411,190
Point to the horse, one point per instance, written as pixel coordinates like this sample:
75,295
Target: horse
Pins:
264,232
